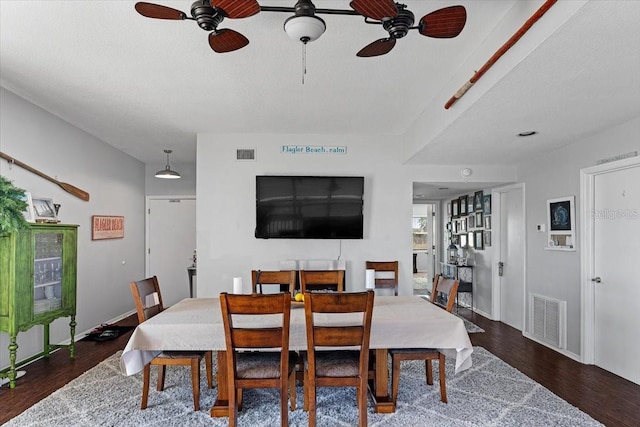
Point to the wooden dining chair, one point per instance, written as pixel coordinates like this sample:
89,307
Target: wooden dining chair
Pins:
249,325
148,301
270,278
313,280
440,285
337,368
386,274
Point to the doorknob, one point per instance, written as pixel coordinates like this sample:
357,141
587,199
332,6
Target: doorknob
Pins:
596,279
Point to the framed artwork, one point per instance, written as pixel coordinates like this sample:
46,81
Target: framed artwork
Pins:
28,212
487,222
471,240
449,208
43,209
463,225
479,219
477,201
463,240
487,238
107,227
478,241
463,205
455,208
486,204
469,204
561,224
472,221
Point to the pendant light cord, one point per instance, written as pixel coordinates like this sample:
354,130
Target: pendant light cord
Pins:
304,59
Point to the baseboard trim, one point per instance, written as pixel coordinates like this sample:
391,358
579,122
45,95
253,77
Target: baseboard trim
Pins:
562,351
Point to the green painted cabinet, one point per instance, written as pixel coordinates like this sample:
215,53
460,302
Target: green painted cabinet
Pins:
37,285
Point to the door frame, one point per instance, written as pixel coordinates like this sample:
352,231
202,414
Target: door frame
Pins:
147,201
587,253
496,232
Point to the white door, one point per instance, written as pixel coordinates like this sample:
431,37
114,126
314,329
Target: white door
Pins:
512,241
171,240
616,249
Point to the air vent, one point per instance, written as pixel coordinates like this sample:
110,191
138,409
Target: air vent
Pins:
245,154
548,320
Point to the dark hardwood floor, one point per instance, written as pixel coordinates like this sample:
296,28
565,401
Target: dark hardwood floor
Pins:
606,397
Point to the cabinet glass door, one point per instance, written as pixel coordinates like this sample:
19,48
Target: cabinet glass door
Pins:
47,272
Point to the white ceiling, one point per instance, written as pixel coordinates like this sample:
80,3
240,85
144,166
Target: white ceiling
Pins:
143,85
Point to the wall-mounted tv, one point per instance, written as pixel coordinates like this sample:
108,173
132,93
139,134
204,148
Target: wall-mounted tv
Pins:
309,207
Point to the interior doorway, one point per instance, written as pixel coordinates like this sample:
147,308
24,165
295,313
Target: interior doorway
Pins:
424,247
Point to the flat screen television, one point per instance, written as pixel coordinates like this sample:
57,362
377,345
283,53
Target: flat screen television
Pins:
309,207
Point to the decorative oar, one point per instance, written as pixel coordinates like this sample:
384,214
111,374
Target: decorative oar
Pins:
81,194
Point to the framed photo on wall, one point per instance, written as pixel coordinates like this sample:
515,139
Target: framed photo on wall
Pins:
463,205
477,201
561,224
486,204
455,208
479,223
479,242
487,222
487,238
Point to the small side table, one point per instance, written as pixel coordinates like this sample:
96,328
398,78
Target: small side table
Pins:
192,271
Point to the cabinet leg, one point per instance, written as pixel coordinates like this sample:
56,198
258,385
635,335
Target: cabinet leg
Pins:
13,351
46,348
72,344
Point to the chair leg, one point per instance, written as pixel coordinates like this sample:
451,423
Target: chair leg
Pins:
305,391
233,405
239,398
195,383
145,385
312,405
429,368
395,378
284,402
362,403
208,361
161,371
443,384
292,389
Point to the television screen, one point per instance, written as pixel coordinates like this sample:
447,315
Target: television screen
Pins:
309,207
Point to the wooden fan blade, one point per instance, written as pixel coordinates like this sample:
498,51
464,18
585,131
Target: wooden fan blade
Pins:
235,9
444,23
151,10
377,48
227,40
375,9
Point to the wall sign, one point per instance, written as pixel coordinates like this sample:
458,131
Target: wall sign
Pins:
107,227
312,149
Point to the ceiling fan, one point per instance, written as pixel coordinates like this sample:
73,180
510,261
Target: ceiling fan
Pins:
395,18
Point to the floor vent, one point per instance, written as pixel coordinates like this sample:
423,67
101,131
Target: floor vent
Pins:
246,154
548,320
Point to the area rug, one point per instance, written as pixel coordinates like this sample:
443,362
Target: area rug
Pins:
490,393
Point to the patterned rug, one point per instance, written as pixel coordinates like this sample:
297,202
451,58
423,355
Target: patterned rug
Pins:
490,393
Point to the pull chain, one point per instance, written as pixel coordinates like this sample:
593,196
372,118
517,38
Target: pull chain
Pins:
304,59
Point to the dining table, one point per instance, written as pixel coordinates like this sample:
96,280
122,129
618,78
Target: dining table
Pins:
397,322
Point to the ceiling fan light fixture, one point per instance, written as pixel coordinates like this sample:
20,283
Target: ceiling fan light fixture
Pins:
167,173
304,28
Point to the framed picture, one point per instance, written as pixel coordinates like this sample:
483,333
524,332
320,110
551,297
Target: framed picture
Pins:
455,208
43,209
486,204
561,224
469,203
449,208
463,225
463,205
463,240
487,222
28,212
477,201
487,238
479,242
107,227
472,221
479,219
470,239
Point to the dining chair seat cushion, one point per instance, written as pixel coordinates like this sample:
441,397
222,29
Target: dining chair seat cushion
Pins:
260,364
340,363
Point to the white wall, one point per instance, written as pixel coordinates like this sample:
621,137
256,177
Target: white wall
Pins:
226,207
115,182
556,274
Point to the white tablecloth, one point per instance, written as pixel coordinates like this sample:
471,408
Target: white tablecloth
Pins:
398,322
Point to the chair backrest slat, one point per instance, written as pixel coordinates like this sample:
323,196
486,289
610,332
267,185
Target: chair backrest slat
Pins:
381,281
446,286
322,279
273,277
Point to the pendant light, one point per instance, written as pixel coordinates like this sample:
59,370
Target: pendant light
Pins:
167,173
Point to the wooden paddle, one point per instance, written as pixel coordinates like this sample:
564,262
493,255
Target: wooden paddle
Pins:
66,187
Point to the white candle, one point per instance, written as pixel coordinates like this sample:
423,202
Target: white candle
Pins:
370,279
237,285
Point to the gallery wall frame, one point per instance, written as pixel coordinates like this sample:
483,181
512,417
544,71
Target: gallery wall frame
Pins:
561,224
107,227
477,201
43,209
